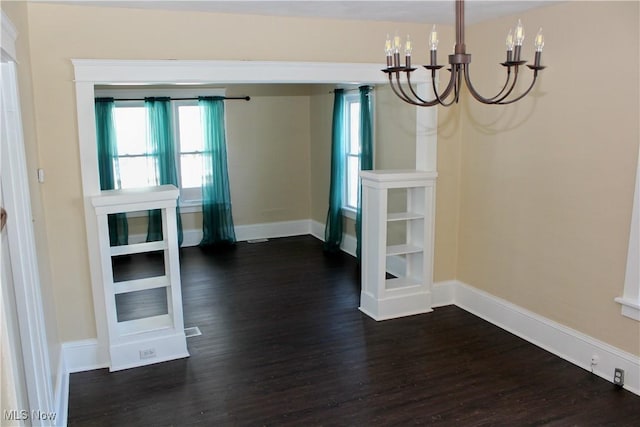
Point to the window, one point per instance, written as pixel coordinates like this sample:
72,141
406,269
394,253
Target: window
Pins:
137,168
352,122
189,147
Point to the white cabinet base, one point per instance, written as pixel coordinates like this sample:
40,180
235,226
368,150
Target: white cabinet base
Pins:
394,307
148,351
152,339
410,262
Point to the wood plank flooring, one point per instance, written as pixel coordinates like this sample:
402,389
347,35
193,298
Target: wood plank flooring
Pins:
283,343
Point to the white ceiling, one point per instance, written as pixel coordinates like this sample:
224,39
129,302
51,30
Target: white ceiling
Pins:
420,11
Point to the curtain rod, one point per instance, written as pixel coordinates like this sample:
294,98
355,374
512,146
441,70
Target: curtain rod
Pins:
246,98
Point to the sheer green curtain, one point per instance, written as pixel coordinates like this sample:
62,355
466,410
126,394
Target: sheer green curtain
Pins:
366,155
108,166
334,225
217,218
161,146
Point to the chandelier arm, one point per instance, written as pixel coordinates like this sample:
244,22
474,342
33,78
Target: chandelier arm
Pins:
453,85
420,102
496,99
425,103
533,82
499,99
400,93
506,84
448,89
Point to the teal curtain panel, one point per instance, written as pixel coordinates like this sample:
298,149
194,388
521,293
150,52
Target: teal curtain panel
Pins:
217,217
334,224
108,166
366,155
162,147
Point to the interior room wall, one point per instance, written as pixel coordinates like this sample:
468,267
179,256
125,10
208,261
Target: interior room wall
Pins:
547,183
59,33
269,159
17,13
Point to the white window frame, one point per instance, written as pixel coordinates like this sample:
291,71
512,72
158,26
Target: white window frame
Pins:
350,98
190,198
187,203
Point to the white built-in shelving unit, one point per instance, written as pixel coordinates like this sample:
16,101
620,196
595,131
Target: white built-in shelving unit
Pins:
397,278
160,337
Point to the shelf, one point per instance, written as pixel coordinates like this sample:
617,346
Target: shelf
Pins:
400,283
402,250
127,286
403,216
137,248
146,324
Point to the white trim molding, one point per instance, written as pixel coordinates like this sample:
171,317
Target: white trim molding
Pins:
91,72
566,343
22,247
630,299
107,71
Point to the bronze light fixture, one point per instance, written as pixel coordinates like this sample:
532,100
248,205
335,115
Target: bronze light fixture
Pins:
459,63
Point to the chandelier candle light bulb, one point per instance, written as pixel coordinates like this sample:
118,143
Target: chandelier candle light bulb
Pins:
433,44
389,51
510,43
407,51
539,44
396,50
519,38
460,63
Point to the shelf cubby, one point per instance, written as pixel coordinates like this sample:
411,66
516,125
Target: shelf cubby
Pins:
397,242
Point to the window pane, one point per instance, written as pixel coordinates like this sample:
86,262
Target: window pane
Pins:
354,128
191,170
131,131
190,128
352,181
137,172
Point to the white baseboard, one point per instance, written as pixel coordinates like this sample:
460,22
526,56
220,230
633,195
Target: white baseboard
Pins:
269,230
83,355
273,230
61,392
349,242
564,342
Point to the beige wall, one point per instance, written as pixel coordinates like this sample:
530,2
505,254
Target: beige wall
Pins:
547,184
321,109
268,151
17,13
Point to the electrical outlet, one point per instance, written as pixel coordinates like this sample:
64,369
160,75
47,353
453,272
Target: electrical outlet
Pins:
148,353
595,360
618,377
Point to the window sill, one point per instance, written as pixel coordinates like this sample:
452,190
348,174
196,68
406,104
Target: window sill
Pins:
349,213
190,207
630,308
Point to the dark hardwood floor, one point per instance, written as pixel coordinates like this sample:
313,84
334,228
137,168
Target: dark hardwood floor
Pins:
283,343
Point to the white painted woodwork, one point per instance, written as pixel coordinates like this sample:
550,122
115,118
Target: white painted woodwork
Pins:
630,299
26,301
91,72
163,334
410,292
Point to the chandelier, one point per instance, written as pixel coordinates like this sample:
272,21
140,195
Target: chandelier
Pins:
459,63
